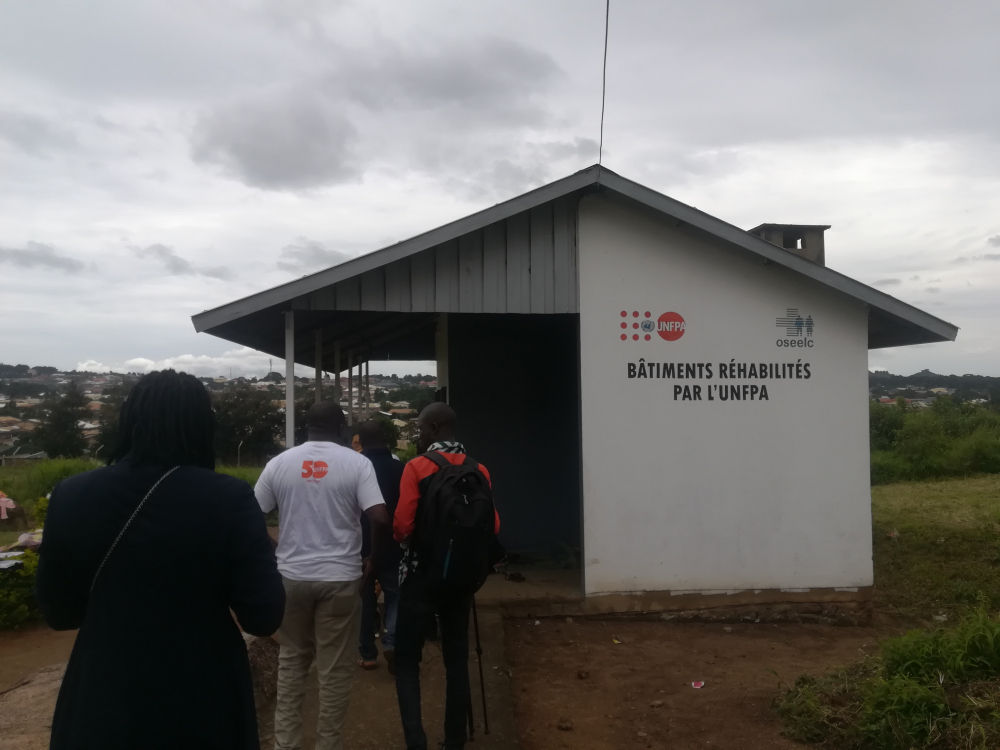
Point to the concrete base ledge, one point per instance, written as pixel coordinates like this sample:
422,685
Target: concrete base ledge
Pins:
831,606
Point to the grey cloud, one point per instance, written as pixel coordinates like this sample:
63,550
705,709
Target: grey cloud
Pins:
462,97
985,256
38,255
291,140
994,240
886,282
865,74
491,78
932,290
306,255
33,134
178,266
479,174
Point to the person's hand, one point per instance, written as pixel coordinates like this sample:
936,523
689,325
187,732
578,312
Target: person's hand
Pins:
367,568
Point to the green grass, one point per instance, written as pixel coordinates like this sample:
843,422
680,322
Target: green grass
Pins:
937,546
936,552
25,485
9,537
249,474
936,689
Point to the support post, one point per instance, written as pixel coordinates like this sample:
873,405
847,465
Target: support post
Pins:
350,388
368,391
336,366
441,349
319,365
289,379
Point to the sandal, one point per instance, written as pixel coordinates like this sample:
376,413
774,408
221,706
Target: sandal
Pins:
369,665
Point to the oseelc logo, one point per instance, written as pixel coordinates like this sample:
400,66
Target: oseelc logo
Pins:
314,469
670,326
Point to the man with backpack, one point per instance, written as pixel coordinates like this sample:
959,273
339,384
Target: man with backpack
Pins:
447,523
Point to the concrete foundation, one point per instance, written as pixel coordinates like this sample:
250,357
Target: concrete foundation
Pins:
556,593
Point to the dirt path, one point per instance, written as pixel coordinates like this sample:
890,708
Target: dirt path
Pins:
372,721
26,712
373,717
655,661
25,651
638,693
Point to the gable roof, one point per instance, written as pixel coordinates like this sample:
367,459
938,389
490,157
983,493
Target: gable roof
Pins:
891,321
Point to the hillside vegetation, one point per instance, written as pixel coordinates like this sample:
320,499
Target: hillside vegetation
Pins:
947,439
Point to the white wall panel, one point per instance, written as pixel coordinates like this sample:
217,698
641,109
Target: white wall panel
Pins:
703,494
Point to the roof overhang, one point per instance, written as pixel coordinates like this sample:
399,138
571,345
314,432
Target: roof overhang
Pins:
255,321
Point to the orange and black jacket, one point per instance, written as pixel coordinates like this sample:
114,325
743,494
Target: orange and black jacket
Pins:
416,479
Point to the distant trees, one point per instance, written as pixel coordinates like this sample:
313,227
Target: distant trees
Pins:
111,405
13,371
26,389
244,414
946,439
418,396
59,433
966,387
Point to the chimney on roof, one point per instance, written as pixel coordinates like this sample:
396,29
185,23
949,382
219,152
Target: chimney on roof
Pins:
805,240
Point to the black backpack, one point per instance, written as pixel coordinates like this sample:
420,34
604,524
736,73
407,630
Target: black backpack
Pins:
455,528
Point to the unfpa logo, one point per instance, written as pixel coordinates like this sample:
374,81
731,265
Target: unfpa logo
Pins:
670,326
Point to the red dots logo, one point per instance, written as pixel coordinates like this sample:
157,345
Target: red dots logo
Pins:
670,326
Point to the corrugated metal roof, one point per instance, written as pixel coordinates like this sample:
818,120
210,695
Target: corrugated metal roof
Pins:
520,257
523,264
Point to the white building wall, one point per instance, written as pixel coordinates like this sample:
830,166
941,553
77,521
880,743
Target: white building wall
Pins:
696,495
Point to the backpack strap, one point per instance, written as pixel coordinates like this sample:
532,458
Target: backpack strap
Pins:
438,459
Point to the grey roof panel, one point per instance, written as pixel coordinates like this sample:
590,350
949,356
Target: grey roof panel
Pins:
488,277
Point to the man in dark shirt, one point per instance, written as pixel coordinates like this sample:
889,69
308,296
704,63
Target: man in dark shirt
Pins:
388,472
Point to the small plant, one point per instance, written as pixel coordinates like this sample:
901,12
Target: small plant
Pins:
936,689
40,510
17,595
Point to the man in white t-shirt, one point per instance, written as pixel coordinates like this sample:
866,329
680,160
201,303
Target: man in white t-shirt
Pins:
320,488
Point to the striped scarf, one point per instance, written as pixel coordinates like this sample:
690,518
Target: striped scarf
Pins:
447,446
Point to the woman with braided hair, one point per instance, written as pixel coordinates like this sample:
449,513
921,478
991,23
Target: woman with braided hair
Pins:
151,557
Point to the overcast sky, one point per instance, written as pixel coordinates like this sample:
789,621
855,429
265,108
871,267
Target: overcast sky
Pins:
159,159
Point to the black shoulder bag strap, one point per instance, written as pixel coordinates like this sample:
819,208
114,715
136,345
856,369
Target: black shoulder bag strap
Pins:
438,459
127,524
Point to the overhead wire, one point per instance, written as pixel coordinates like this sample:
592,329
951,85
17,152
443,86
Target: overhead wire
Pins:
604,81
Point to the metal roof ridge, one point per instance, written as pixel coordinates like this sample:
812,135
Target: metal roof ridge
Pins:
592,175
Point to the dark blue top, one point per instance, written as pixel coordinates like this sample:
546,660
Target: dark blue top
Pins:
157,640
388,473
